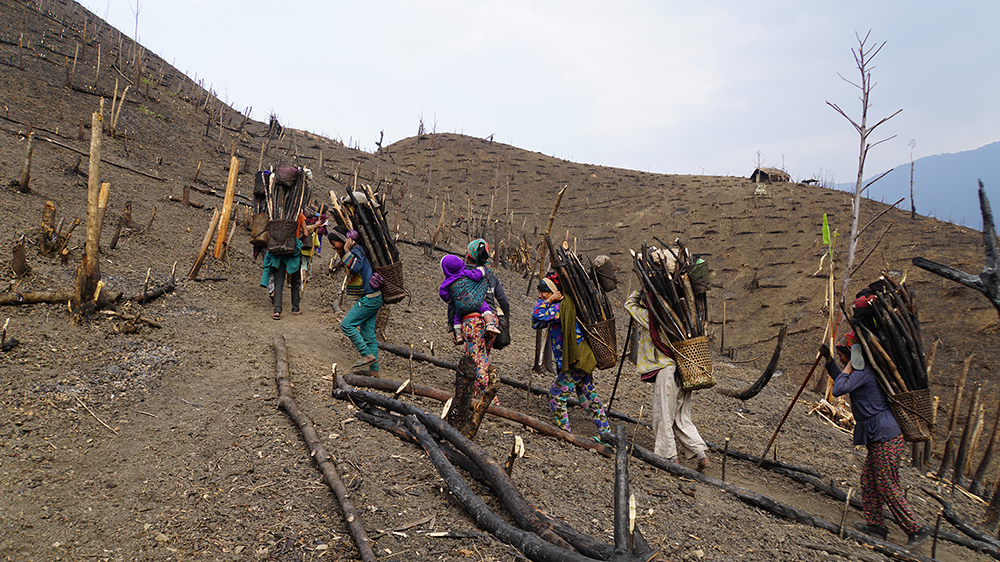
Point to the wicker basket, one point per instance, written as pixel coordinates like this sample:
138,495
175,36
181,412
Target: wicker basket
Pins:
258,230
281,237
694,362
603,341
393,289
913,414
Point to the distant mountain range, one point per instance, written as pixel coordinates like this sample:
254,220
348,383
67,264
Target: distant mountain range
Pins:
944,185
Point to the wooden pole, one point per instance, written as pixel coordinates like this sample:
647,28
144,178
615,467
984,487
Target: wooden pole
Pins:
89,272
204,244
788,411
22,184
227,207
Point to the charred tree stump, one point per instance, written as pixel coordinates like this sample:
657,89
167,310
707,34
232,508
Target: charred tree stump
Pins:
948,455
976,487
963,444
991,519
467,411
18,262
89,272
286,402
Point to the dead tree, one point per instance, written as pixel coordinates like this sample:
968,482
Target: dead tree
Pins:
89,273
863,56
988,281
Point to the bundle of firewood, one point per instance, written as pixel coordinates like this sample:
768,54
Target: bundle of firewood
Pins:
886,325
885,316
363,212
287,189
675,284
593,309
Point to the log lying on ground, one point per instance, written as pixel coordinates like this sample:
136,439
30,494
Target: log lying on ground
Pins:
55,297
530,544
952,516
387,385
766,463
286,402
586,545
501,484
769,504
451,366
152,294
765,377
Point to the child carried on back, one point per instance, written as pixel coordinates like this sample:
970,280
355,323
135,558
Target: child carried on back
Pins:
466,289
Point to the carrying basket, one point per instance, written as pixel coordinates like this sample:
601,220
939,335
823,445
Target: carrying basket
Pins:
913,414
603,340
694,362
258,230
281,237
393,289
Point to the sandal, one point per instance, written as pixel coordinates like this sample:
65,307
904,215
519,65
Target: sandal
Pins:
297,312
276,315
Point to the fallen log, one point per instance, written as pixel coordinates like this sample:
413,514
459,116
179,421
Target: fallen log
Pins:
765,377
952,516
530,544
286,401
586,545
766,463
501,484
144,297
452,365
771,505
387,385
35,297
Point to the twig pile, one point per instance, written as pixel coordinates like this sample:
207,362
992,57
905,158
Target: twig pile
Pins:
363,212
680,312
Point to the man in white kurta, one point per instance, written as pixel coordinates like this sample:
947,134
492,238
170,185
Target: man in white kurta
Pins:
672,422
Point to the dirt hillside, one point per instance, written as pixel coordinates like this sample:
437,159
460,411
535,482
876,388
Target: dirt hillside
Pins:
166,443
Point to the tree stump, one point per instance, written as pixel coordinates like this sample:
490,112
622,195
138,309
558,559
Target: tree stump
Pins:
467,412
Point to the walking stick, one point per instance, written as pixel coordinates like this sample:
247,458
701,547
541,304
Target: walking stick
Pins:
621,362
788,411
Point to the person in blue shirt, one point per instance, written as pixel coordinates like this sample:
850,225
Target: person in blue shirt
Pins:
875,427
359,323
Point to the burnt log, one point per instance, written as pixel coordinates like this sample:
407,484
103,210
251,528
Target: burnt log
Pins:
765,377
952,516
286,401
387,385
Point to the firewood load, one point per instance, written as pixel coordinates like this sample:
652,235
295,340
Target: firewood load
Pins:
287,189
675,284
364,212
593,308
886,324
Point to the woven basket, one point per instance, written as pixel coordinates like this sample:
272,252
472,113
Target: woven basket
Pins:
603,341
694,362
913,414
281,237
393,289
258,230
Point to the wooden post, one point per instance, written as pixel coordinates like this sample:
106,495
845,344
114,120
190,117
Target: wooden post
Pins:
204,244
227,207
89,272
22,183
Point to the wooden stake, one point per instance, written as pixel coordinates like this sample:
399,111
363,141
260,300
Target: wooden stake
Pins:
227,207
843,517
725,455
102,205
89,272
516,452
204,244
22,183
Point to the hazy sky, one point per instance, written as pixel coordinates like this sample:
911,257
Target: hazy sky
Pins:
660,86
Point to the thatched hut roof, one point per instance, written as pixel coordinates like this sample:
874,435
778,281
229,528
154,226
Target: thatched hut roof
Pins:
769,175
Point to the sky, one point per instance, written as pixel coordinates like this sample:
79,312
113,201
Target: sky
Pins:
658,86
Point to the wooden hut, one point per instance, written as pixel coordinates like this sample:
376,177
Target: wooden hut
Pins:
769,175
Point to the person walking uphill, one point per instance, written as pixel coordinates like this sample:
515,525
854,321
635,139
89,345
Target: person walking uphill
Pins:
359,323
275,269
574,359
875,428
672,421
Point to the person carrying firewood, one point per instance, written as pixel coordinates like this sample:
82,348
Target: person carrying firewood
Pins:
575,360
359,323
672,420
875,428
